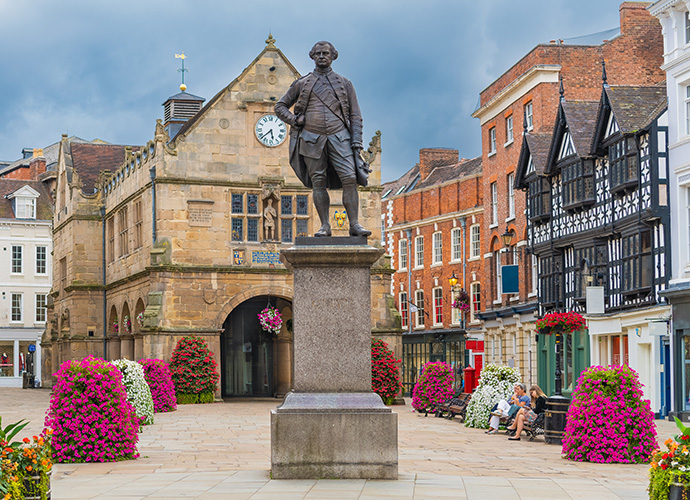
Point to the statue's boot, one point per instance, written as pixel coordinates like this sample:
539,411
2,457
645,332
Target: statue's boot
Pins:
351,202
324,231
356,229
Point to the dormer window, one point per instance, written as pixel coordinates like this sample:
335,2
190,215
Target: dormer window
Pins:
24,202
530,166
25,208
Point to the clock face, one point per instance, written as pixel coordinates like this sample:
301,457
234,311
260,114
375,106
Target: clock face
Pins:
270,130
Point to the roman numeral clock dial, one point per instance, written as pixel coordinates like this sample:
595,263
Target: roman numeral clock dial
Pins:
270,130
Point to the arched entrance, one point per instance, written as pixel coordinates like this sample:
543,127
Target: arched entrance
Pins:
249,355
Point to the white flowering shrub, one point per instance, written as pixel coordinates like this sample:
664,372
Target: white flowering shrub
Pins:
496,382
138,391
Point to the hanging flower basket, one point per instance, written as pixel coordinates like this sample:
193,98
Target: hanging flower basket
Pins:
140,319
128,324
116,327
566,322
462,301
270,320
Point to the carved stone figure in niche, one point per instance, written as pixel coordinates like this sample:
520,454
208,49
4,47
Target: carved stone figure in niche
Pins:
269,219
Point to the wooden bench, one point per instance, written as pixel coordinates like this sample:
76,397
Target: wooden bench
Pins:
537,428
455,406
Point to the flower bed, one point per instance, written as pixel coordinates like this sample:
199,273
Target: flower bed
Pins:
608,421
435,386
671,465
193,371
92,420
496,382
25,467
385,374
138,391
157,374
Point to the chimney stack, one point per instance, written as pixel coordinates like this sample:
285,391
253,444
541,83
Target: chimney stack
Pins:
430,158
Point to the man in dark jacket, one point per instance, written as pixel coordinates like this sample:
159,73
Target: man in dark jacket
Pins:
325,136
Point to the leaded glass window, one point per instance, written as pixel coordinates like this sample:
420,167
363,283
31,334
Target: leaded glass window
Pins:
237,203
302,205
237,226
252,229
252,204
286,229
302,227
286,206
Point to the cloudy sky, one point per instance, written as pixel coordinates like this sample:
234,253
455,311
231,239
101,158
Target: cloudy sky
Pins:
103,69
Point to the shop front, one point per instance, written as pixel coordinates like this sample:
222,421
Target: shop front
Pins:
20,351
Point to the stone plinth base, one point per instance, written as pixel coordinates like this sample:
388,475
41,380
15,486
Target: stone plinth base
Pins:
334,435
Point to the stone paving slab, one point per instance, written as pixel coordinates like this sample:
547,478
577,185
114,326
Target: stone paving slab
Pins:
222,451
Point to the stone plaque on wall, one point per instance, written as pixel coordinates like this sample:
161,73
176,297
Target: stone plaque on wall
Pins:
200,212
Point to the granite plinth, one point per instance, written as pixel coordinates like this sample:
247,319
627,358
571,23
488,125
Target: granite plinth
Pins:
332,317
334,435
332,425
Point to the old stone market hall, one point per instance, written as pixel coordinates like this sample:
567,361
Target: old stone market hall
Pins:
182,235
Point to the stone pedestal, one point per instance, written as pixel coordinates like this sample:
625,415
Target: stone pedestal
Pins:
332,425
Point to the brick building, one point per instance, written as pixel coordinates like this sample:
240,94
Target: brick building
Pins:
526,96
431,226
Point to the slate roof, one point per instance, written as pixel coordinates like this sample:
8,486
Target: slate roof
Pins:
407,180
90,159
50,153
44,204
539,145
636,107
581,117
446,173
184,96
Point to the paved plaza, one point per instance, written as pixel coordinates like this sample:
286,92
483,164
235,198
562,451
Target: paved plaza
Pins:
222,451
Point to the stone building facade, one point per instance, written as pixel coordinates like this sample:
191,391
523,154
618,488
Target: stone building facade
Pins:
431,220
182,236
526,97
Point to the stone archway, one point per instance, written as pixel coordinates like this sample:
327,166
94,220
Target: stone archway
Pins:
126,337
253,362
113,335
138,338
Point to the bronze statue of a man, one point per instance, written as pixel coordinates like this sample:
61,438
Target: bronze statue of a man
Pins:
326,136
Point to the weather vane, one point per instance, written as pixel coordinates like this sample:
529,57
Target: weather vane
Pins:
182,70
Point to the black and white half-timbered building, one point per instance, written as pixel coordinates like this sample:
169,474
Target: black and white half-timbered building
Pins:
598,222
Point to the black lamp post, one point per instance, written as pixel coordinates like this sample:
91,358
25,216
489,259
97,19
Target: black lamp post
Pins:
453,280
558,382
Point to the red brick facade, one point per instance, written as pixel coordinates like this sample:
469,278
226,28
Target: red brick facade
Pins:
28,170
447,193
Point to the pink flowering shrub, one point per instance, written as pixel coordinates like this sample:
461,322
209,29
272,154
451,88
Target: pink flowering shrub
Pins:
157,374
608,421
92,420
435,385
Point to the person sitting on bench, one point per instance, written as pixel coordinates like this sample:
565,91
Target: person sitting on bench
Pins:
506,408
528,415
